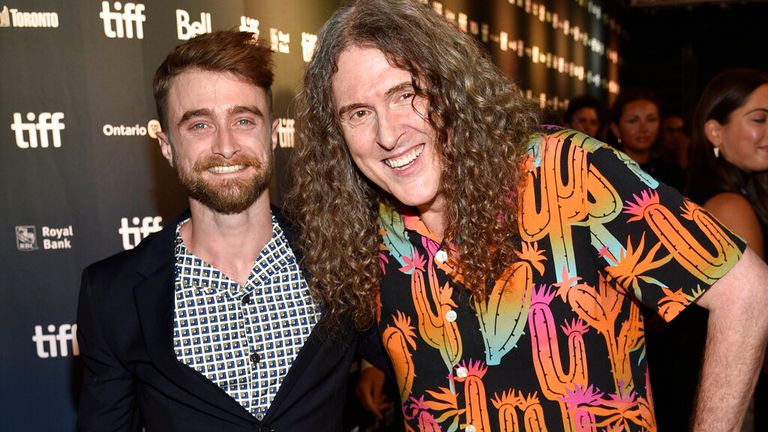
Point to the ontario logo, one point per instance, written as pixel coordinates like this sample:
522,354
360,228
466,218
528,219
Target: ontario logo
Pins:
119,130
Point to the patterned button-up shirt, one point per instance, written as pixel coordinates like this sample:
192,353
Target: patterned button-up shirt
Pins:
242,338
559,343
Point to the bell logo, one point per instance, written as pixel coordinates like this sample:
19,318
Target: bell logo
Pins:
132,15
186,29
27,134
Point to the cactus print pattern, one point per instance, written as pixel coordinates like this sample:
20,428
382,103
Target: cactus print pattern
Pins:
559,343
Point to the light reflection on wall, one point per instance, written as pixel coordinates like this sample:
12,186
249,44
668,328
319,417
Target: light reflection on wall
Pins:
553,49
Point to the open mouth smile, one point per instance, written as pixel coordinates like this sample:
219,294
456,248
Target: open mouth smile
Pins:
405,160
225,169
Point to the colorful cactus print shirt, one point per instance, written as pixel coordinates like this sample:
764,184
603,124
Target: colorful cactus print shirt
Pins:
559,344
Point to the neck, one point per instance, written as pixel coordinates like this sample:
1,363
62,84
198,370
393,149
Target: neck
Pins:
229,242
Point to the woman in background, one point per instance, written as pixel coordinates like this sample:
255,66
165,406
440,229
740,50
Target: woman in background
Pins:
635,124
728,175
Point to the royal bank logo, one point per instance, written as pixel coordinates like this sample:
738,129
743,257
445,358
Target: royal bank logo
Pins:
26,238
37,129
186,29
123,20
16,18
119,130
134,232
56,341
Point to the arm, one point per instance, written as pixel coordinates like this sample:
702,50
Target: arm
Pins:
736,341
107,392
369,389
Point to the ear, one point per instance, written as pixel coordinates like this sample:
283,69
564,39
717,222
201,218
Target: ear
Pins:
165,147
714,132
275,135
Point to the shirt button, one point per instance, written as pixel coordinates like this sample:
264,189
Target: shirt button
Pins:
259,416
255,358
246,299
450,316
470,428
441,256
461,372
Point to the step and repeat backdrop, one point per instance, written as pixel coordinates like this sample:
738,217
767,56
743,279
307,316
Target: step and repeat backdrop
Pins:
83,178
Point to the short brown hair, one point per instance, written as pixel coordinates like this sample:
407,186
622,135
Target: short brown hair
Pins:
222,51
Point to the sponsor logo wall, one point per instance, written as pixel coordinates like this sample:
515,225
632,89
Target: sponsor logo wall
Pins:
81,173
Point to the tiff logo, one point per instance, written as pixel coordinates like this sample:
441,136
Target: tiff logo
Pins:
46,122
308,42
56,342
248,24
280,42
186,29
141,227
285,132
132,14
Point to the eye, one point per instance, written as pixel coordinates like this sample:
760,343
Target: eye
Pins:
357,116
244,122
198,126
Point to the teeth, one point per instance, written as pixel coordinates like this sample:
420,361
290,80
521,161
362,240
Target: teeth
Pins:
225,169
402,161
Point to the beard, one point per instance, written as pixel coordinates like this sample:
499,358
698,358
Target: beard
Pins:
227,196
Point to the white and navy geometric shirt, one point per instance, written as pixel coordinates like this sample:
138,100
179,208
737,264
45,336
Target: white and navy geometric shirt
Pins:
243,338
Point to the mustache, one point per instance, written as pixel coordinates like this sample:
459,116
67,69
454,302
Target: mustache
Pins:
217,160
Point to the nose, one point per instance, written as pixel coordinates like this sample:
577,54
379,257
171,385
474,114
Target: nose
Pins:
225,144
389,130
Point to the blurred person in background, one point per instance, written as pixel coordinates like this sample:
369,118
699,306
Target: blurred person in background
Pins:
674,142
585,114
635,125
728,171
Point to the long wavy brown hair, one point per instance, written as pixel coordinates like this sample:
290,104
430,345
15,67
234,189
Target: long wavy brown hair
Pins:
482,123
709,175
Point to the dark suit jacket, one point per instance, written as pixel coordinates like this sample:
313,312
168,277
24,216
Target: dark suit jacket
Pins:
132,378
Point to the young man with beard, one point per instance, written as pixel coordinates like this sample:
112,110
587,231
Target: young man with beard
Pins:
503,265
209,325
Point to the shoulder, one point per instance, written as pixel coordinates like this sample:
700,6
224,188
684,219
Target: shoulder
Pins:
731,206
549,137
736,212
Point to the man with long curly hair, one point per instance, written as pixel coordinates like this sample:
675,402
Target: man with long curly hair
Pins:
502,265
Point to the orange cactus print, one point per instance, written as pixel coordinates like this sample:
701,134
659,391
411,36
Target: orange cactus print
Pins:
474,395
600,308
397,341
689,252
562,201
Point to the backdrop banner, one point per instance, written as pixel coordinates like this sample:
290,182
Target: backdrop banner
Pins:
82,175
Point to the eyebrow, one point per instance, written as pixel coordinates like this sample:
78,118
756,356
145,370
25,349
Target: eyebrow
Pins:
388,94
205,112
765,110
